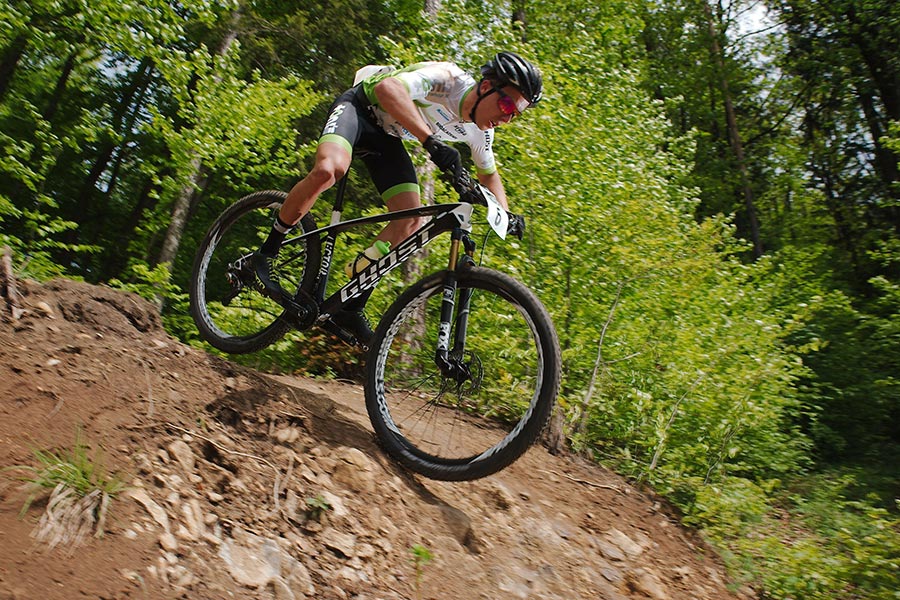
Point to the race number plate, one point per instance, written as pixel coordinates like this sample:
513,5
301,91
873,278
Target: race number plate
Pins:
497,216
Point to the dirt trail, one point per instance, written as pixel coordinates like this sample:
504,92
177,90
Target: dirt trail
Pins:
226,468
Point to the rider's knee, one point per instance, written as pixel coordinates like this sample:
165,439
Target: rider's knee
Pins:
325,173
410,226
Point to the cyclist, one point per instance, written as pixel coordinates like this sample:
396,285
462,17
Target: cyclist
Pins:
432,102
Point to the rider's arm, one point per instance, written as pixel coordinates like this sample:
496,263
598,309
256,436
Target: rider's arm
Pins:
493,182
395,100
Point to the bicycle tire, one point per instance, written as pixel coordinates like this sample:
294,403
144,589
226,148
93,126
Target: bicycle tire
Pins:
248,321
511,347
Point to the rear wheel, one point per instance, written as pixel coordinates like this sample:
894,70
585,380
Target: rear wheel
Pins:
226,303
484,417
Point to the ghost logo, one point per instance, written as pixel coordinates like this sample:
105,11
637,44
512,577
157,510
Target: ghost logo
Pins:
375,271
331,124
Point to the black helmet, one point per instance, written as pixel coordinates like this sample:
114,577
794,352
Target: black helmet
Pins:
507,68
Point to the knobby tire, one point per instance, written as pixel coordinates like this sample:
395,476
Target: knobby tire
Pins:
249,321
451,430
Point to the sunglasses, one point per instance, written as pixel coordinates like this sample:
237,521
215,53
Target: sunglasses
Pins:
507,104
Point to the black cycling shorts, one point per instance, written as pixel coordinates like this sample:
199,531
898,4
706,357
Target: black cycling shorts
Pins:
350,124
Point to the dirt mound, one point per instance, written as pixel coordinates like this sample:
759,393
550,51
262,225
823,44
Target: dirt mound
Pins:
245,485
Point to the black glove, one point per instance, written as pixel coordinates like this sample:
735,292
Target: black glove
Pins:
516,225
449,161
445,157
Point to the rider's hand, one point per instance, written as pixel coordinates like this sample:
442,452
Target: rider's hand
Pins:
516,225
445,157
449,161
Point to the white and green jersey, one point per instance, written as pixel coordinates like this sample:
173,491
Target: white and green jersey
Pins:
438,90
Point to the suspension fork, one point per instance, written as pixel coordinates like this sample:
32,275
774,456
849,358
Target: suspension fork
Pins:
451,362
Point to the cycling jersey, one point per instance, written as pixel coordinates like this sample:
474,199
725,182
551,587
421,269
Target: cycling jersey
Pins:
358,124
438,90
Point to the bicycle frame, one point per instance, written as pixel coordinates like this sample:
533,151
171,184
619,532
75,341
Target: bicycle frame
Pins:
455,218
457,341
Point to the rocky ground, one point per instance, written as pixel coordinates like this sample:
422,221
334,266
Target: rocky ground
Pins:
246,485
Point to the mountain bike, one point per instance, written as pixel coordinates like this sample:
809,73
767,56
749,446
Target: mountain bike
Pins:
464,366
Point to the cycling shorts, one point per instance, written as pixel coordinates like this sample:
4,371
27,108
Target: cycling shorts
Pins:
352,125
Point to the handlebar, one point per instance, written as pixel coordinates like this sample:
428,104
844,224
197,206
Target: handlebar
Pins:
468,190
474,193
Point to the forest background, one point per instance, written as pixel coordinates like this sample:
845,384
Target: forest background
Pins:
713,203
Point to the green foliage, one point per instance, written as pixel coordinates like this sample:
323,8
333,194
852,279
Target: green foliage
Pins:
804,542
711,379
151,284
854,393
316,507
73,469
32,229
155,285
233,125
421,557
319,354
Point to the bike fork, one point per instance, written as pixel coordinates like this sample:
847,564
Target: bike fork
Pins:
450,362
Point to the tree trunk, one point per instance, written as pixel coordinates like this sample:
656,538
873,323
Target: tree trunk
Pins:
180,210
8,285
411,270
567,322
734,134
37,159
116,259
198,173
61,82
885,162
138,85
10,61
881,61
518,20
600,366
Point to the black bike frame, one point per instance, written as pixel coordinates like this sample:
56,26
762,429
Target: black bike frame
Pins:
455,218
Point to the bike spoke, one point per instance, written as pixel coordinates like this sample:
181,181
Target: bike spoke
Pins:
227,304
479,408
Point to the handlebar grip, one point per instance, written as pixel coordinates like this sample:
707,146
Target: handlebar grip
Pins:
516,225
467,189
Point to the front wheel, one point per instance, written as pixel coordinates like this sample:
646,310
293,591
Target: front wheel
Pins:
226,303
465,426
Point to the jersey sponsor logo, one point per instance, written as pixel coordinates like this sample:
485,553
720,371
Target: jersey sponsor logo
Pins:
460,130
446,131
397,130
331,123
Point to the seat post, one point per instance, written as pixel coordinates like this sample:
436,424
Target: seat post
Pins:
339,199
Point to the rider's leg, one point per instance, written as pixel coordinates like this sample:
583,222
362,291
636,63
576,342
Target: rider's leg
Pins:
352,316
331,162
394,233
397,231
394,175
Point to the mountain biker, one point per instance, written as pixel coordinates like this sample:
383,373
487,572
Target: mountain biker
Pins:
432,102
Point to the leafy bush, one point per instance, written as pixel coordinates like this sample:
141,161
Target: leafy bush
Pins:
813,544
